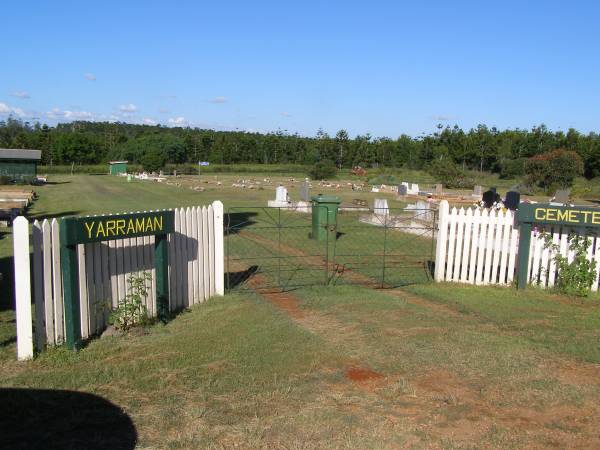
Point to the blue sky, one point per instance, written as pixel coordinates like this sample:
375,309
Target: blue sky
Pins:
384,68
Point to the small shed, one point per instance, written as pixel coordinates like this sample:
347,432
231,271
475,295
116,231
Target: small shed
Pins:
117,167
19,165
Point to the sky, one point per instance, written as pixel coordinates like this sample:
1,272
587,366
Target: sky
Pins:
384,68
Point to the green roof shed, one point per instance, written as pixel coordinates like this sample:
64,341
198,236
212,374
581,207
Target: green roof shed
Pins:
117,167
19,165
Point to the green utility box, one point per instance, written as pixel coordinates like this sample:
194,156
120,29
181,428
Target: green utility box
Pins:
324,215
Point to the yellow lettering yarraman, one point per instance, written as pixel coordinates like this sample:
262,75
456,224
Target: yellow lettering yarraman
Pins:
158,223
148,224
89,227
121,227
100,230
139,225
110,227
130,226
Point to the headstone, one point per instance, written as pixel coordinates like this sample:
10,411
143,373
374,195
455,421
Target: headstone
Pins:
512,200
562,196
281,194
402,190
304,193
490,197
439,189
423,210
381,207
477,190
414,188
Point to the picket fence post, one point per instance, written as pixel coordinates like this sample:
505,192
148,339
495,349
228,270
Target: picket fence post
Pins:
440,251
22,288
219,255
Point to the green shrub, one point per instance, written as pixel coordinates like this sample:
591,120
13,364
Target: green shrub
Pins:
131,311
553,170
512,168
450,175
323,170
575,277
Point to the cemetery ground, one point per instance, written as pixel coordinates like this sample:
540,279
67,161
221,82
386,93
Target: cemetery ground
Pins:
424,366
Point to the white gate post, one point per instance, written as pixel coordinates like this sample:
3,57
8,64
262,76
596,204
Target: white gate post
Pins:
440,250
22,288
219,255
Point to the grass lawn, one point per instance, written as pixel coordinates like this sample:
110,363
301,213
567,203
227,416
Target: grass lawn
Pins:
425,366
344,367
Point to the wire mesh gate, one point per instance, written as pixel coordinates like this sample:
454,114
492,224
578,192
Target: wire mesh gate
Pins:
274,248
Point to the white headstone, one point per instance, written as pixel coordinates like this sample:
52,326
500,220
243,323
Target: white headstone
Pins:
414,189
381,207
281,194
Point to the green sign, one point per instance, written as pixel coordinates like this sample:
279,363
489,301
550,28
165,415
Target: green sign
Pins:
545,214
558,215
83,230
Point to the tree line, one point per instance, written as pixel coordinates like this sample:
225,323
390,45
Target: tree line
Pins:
481,148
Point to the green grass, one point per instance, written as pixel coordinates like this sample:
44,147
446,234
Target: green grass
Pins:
458,366
239,371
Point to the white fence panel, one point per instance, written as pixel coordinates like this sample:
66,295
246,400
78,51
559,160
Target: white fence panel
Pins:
480,247
104,268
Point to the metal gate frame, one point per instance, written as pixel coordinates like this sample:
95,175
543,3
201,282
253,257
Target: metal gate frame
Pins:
269,248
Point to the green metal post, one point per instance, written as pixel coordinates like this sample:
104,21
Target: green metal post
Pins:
70,277
161,261
523,262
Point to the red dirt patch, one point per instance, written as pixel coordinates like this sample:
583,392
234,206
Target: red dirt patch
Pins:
360,374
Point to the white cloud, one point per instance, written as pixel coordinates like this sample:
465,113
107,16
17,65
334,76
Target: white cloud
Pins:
149,121
89,76
177,121
218,100
442,118
20,94
286,114
7,110
56,113
129,108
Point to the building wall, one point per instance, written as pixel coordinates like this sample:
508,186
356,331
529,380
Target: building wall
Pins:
118,168
18,170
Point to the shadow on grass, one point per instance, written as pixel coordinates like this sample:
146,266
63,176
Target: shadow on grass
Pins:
42,418
52,183
7,284
236,221
234,279
41,215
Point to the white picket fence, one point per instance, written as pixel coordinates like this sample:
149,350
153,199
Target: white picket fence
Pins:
196,270
480,247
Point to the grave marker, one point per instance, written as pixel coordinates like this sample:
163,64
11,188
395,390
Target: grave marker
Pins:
381,207
512,200
304,192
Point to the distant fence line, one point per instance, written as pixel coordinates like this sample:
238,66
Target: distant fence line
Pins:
196,271
480,247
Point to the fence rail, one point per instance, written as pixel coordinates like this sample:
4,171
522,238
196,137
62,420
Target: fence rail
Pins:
196,270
